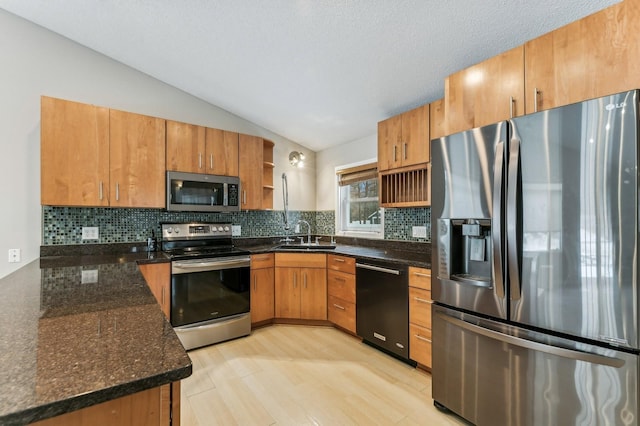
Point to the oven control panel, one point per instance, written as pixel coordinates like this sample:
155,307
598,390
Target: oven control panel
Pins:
172,231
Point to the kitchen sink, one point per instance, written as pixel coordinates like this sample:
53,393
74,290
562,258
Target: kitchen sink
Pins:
306,246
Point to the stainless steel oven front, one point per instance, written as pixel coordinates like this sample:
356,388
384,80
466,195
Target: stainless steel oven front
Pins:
210,299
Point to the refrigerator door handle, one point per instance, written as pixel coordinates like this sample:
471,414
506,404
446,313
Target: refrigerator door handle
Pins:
512,219
496,232
536,346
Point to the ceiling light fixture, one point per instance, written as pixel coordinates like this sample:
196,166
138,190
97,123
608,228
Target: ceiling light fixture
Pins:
296,158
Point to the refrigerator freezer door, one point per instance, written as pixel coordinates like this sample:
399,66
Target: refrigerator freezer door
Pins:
495,374
468,170
577,234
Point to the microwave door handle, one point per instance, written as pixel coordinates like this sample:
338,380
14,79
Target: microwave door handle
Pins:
496,231
512,219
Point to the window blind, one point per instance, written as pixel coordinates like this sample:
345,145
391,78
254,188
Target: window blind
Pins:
357,174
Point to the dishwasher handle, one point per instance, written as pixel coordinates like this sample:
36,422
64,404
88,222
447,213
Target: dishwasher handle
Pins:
378,268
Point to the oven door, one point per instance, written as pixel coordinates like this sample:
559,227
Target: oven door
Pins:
209,289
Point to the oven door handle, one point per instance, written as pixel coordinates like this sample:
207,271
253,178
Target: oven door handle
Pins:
204,265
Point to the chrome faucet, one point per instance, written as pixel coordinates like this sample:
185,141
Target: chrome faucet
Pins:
308,230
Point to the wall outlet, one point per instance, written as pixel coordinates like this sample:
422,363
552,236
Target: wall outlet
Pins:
419,232
296,228
14,255
90,233
89,276
236,230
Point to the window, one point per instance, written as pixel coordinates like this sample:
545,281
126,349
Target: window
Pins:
359,211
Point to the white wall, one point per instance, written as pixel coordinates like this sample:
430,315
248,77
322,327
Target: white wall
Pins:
327,161
38,62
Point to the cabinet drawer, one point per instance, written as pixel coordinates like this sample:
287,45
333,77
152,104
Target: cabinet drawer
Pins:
420,344
259,261
420,277
341,285
420,307
301,260
342,313
341,263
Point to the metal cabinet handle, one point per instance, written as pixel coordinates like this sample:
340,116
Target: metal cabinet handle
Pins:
244,197
211,161
395,157
536,92
421,300
304,278
339,307
404,151
512,102
199,160
424,339
295,280
162,296
337,259
117,191
255,283
421,274
377,268
100,191
339,279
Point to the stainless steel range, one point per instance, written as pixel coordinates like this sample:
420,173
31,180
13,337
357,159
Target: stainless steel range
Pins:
210,282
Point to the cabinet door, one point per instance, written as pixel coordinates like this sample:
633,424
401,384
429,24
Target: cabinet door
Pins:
415,136
486,93
589,58
262,294
158,277
389,139
185,147
74,153
137,156
313,299
287,293
250,150
222,152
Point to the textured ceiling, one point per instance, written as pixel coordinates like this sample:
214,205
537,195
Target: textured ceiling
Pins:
320,72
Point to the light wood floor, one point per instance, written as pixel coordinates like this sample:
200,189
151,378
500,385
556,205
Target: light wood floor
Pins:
299,375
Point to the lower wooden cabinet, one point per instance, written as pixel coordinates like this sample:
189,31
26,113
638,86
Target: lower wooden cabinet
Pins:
149,407
158,277
301,290
341,288
420,303
262,287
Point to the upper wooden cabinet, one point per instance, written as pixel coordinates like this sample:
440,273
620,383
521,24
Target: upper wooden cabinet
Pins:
485,93
436,119
137,160
592,57
198,149
93,156
403,140
74,153
256,172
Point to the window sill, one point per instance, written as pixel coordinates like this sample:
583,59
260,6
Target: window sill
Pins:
361,234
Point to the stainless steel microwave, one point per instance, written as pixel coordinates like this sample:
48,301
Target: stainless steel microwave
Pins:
197,192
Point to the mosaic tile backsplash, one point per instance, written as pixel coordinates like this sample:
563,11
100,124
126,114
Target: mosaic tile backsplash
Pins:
63,225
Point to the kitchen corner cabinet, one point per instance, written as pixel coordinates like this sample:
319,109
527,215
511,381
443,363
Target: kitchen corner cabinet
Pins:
341,290
485,93
255,156
589,58
262,287
198,149
420,315
74,153
403,140
301,286
94,156
158,277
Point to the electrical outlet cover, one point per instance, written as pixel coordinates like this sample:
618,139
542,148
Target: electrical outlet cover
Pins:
90,233
89,276
236,230
419,232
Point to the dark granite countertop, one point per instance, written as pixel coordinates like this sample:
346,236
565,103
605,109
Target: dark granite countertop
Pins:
410,254
71,339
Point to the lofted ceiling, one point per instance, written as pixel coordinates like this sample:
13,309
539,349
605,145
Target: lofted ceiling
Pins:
318,72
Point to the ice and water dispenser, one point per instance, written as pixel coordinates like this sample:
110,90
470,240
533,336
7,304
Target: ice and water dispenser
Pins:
465,251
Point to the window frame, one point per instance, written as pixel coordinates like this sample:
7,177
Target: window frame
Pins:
364,233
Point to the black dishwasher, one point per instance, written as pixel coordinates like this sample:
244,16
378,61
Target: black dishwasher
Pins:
382,306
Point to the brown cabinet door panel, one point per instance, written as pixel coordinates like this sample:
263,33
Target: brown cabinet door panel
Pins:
185,147
262,294
313,301
420,307
287,292
221,152
341,285
342,313
420,344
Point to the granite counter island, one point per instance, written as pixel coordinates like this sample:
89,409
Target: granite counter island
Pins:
80,332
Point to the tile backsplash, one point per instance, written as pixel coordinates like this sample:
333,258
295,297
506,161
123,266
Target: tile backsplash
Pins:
63,225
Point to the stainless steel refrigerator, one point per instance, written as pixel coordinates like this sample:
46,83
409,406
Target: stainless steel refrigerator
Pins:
535,267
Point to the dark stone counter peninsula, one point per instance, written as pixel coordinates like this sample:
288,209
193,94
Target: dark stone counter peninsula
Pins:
81,330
